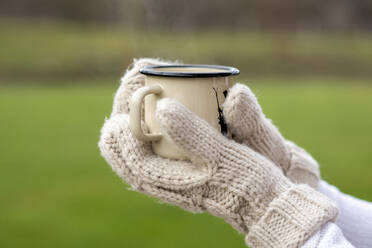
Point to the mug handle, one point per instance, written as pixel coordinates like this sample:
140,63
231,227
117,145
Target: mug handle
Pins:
135,106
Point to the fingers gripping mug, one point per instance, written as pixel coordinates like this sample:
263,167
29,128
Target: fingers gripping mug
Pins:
201,88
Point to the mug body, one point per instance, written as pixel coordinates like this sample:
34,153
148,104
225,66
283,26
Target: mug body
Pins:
203,95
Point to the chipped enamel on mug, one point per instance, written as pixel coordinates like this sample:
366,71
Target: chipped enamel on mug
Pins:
201,88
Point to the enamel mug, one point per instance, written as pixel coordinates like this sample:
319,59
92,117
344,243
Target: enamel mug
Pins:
201,88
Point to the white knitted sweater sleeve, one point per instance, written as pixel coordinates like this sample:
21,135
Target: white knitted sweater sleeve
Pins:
353,227
329,236
355,216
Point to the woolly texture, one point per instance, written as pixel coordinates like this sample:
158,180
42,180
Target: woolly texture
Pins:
249,126
224,178
245,119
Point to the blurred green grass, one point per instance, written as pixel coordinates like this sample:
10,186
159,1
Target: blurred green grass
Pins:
56,191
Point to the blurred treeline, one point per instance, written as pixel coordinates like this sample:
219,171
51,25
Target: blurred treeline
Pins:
318,15
55,41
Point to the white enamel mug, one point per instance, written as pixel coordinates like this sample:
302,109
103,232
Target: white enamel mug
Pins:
201,88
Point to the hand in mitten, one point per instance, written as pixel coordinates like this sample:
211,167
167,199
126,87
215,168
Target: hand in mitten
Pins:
249,126
222,177
246,121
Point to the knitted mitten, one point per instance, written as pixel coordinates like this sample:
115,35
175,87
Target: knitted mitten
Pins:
222,177
249,126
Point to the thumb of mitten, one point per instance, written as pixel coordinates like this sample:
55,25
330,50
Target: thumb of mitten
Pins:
250,126
199,140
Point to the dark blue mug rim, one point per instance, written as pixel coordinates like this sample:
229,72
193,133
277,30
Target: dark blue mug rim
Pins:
225,71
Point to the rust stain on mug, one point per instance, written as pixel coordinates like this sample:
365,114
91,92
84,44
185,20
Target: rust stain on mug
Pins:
221,118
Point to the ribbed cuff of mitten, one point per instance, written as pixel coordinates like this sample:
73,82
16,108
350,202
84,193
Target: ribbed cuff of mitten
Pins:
292,218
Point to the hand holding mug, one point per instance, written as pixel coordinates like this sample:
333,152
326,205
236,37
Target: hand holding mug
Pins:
201,88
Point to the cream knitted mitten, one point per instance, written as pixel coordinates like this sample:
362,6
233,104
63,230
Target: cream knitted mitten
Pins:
224,178
249,126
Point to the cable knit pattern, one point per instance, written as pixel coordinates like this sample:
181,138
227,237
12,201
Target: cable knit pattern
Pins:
249,126
224,178
245,119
